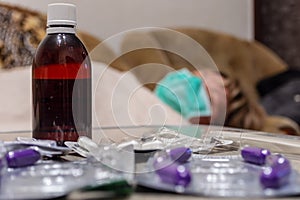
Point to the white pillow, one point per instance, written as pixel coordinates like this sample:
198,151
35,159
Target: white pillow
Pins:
15,100
118,100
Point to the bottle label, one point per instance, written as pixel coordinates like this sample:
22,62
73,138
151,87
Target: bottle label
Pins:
62,71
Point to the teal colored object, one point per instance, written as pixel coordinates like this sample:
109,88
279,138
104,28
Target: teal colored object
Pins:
185,93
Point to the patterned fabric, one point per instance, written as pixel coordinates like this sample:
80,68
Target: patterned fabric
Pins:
240,113
21,31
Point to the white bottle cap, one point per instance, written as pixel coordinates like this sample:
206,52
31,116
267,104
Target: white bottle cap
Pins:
61,14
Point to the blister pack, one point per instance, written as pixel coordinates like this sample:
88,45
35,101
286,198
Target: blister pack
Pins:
25,175
164,138
268,175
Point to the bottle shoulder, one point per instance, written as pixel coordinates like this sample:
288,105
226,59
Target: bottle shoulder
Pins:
60,48
60,40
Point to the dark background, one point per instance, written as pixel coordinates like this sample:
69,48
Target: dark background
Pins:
277,25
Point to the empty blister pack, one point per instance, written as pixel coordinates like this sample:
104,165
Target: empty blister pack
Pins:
164,138
44,181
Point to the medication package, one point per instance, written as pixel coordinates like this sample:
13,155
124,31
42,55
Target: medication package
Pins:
34,172
255,172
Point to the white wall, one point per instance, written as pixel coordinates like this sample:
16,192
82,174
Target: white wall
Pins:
105,18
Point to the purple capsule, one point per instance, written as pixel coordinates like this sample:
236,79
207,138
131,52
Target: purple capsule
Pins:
180,154
174,173
255,155
22,157
277,174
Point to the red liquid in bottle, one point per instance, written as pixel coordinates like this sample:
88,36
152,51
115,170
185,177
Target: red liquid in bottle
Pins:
61,85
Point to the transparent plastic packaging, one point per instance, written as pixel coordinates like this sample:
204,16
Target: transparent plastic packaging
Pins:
166,138
110,155
105,170
47,148
3,163
225,176
44,181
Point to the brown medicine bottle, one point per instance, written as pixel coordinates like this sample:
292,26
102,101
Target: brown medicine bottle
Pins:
61,80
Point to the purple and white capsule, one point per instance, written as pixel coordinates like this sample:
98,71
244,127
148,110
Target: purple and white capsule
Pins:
277,174
255,155
22,158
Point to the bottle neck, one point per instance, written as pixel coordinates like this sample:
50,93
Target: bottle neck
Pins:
61,29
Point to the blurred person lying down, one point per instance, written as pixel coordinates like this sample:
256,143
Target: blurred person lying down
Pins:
211,97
